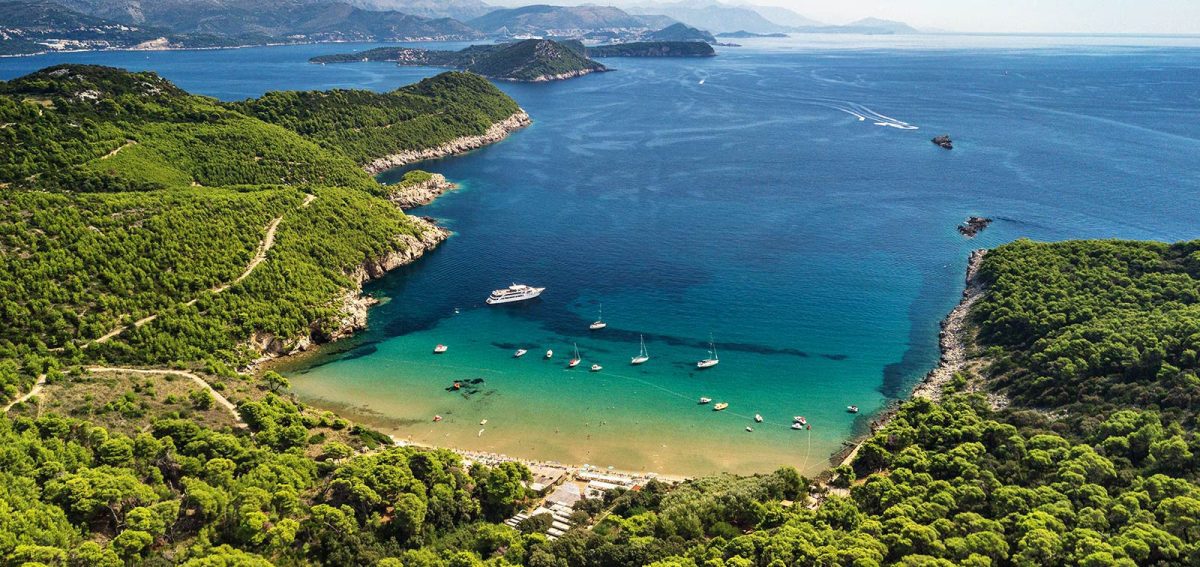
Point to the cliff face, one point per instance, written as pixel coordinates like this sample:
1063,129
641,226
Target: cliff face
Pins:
352,315
408,196
497,132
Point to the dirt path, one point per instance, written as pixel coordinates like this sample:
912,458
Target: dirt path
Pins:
35,390
195,378
260,255
123,146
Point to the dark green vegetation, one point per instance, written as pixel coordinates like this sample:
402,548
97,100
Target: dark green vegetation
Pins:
125,198
653,49
75,493
530,60
366,125
680,32
1093,460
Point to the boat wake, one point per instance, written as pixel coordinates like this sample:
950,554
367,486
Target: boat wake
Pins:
865,114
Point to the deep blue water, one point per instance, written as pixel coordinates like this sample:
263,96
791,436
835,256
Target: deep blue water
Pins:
819,249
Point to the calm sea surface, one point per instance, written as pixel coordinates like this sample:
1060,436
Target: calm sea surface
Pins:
783,197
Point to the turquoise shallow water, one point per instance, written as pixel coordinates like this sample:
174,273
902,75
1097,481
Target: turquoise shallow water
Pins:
817,247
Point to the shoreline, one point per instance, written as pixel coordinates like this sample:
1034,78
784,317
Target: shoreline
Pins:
953,346
952,342
355,305
495,133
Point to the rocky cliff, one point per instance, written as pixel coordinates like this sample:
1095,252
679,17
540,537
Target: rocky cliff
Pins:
352,314
497,132
420,193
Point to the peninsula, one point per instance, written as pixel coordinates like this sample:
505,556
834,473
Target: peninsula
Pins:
531,60
653,49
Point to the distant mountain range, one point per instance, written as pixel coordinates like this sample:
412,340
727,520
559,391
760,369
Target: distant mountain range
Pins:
273,19
461,10
28,26
714,16
540,18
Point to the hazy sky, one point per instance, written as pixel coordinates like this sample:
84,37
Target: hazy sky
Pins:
1084,16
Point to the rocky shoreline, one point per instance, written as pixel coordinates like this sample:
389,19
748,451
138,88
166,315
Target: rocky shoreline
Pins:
422,193
354,305
952,340
495,133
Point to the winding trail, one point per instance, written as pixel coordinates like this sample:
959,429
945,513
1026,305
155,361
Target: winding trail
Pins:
116,151
260,255
35,390
221,399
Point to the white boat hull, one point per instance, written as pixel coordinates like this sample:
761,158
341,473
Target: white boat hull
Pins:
639,360
707,363
527,295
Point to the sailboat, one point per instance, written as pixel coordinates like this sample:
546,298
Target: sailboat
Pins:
642,356
599,324
575,360
712,359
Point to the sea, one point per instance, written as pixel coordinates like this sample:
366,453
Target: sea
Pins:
781,202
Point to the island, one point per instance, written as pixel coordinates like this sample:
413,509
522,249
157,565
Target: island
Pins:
679,32
742,34
531,60
944,141
973,226
653,49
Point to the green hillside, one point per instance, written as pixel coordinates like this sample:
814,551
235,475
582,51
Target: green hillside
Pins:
365,125
128,200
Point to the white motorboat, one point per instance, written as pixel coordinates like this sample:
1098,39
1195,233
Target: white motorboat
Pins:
549,353
440,349
797,426
520,352
597,368
852,409
758,418
705,401
642,356
514,292
800,419
720,406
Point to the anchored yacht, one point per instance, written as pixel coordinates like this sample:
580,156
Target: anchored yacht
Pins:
514,292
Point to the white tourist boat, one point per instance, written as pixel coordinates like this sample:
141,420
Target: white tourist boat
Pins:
642,356
440,349
514,292
712,359
597,368
520,352
575,360
599,324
